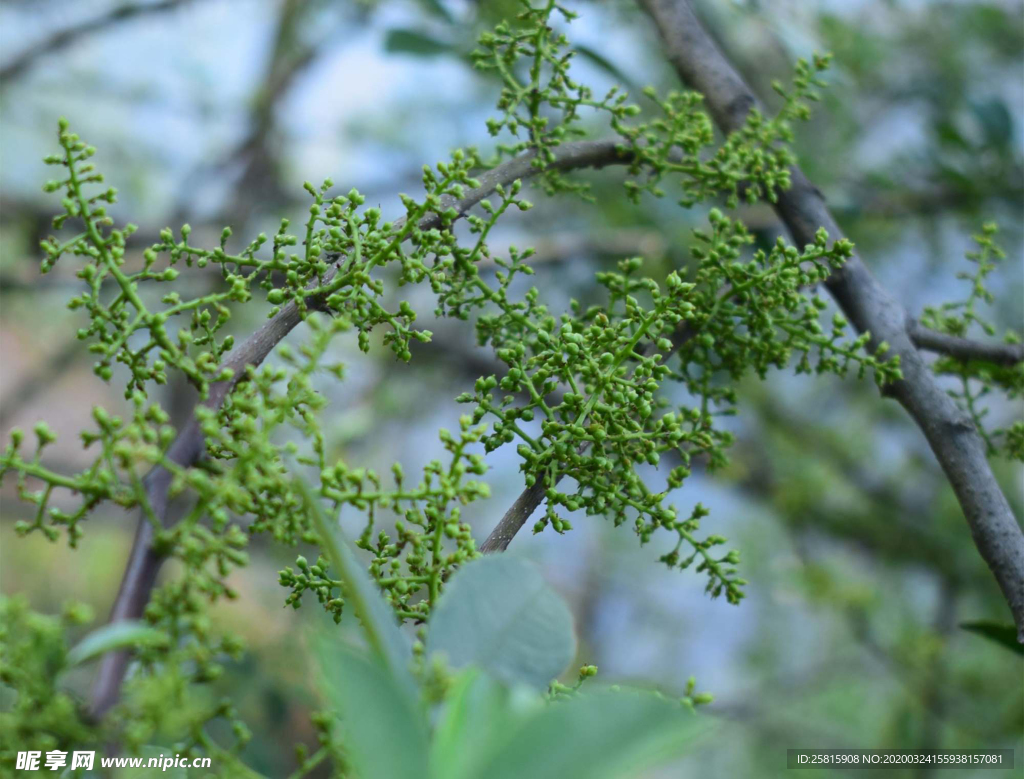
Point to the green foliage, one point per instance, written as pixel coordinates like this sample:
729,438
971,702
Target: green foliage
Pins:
611,361
596,735
672,145
109,638
33,655
415,43
589,400
980,378
378,622
486,725
385,731
1004,635
114,321
502,617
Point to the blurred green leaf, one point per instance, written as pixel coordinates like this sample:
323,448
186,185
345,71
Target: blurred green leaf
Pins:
377,618
117,635
385,733
436,8
949,134
499,614
994,631
403,41
478,714
600,735
995,120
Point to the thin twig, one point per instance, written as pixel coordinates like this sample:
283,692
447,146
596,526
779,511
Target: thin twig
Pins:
964,348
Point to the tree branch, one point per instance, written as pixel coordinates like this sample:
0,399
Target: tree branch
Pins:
64,38
514,519
949,431
144,561
964,348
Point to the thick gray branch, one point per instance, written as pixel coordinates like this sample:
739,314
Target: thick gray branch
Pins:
514,519
144,561
964,348
954,440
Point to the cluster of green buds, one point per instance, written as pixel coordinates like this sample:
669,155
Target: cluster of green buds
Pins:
979,379
607,405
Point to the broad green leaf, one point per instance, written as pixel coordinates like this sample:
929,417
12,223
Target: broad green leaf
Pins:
377,618
994,631
403,41
499,614
117,635
477,715
602,735
384,732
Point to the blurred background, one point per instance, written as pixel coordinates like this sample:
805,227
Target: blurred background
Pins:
860,564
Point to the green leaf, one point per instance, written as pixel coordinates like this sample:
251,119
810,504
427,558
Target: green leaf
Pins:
995,120
377,618
478,714
499,614
994,631
437,8
602,735
117,635
403,41
385,734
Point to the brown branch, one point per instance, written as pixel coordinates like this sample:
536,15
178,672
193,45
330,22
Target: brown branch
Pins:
64,38
949,431
144,561
964,348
